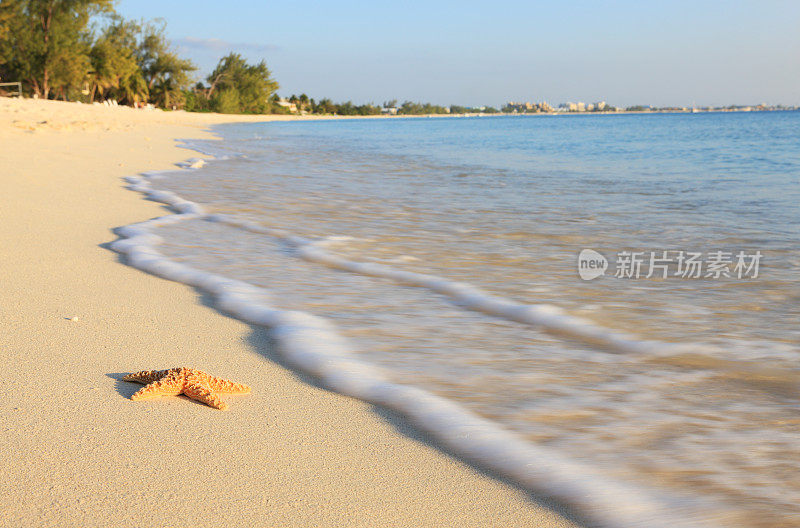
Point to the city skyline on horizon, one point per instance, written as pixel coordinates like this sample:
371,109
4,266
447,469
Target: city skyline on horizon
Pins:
463,53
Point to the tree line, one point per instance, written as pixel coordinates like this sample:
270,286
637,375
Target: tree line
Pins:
82,50
326,106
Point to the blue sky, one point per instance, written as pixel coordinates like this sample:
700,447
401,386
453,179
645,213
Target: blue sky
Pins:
621,51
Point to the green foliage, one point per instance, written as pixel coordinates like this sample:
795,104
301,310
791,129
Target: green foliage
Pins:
47,42
227,101
238,87
10,19
274,107
349,108
455,109
277,109
69,69
115,68
302,103
195,100
326,106
411,108
166,74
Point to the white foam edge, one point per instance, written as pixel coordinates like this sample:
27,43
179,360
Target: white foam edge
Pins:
312,345
547,317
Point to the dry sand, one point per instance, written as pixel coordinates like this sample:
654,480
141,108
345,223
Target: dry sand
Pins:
75,451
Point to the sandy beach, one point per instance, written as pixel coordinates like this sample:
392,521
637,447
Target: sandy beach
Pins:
76,451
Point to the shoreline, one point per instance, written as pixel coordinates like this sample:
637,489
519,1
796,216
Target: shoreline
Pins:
60,121
79,452
310,345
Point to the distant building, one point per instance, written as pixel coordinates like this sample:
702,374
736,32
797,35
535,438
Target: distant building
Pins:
286,104
569,106
525,108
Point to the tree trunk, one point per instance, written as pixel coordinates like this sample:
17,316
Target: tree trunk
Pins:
35,85
213,85
45,79
46,21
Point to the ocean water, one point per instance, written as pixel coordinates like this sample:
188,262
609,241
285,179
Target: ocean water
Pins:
441,255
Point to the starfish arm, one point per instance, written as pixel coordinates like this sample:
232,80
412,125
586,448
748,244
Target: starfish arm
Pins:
203,393
226,387
145,376
169,386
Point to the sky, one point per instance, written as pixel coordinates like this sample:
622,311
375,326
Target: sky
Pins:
471,53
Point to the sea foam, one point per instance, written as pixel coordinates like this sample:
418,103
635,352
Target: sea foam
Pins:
313,345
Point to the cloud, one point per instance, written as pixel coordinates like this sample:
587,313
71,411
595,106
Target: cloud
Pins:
219,45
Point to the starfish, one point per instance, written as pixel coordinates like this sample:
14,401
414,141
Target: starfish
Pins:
196,384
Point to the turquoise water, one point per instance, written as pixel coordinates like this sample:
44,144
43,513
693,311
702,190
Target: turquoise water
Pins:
701,401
